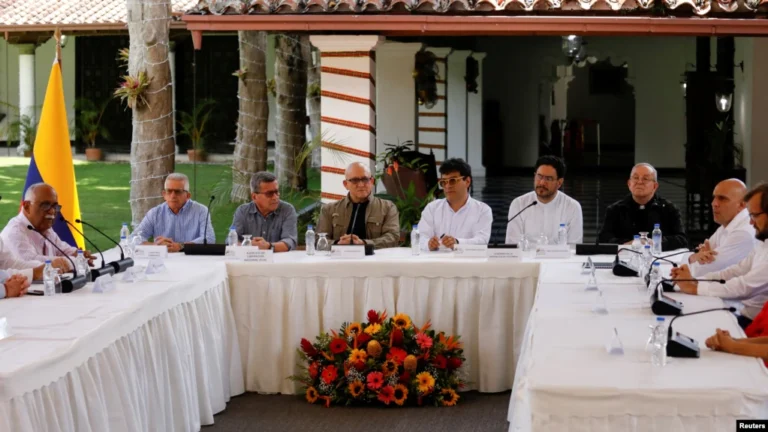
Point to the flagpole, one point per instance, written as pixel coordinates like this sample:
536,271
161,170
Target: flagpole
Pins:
57,36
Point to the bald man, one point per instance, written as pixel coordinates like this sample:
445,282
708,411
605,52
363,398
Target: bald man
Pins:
360,218
734,239
640,210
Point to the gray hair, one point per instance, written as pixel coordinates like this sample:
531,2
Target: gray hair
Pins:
360,164
29,195
647,165
177,177
259,178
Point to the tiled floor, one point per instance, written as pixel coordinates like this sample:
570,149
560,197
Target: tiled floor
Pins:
498,192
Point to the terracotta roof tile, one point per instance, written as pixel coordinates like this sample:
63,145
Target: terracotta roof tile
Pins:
72,12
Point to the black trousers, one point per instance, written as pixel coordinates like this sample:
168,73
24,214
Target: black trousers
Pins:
744,321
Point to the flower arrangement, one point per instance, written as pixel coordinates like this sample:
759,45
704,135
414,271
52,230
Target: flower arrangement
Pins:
133,89
388,361
425,72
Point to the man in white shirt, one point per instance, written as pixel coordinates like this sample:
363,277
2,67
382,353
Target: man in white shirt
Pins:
552,207
746,281
457,218
734,239
18,273
40,209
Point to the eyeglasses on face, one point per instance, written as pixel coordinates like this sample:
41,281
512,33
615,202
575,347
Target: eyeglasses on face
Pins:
357,180
754,216
548,179
269,194
642,179
450,181
175,191
47,206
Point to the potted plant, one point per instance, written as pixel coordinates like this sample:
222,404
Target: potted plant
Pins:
193,126
89,128
403,166
23,130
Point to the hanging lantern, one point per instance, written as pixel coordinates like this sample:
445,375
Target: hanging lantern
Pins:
684,88
723,101
572,45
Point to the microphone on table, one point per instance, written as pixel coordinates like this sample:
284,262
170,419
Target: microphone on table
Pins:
119,266
664,305
663,258
622,269
95,272
67,286
680,345
207,218
524,209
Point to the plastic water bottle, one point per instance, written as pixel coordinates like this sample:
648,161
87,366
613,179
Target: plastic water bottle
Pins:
646,260
659,351
232,237
124,231
415,238
49,279
124,241
309,239
82,265
562,235
637,246
655,277
656,236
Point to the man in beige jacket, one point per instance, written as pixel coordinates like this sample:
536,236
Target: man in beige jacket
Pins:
360,218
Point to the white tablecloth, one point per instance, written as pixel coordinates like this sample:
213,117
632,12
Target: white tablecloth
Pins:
159,354
275,305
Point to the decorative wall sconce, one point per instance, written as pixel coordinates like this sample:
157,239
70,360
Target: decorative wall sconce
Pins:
723,101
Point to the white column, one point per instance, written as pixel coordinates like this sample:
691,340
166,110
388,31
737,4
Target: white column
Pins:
348,107
395,95
27,81
432,122
172,64
757,158
457,104
475,122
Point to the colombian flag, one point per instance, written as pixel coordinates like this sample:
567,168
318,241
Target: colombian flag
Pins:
52,157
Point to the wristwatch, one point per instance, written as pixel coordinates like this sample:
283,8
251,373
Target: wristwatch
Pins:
181,247
271,246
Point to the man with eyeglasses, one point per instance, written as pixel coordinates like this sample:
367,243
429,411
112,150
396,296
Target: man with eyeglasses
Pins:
553,207
360,218
747,281
640,210
458,218
39,209
179,220
270,221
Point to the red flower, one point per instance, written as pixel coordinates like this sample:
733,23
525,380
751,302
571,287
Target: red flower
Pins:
373,317
397,354
389,170
387,394
338,345
363,339
454,362
397,337
396,165
308,349
375,380
330,374
314,368
424,341
440,361
405,378
360,365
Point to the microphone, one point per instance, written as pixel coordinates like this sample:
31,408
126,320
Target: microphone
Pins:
67,286
664,305
524,209
679,345
96,272
207,217
663,258
622,269
119,266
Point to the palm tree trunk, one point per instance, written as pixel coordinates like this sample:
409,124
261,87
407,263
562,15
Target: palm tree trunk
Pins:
251,145
313,96
153,142
291,88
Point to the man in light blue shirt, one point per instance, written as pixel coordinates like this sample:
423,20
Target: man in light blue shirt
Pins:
179,220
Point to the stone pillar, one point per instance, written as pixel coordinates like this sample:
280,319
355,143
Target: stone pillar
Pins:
457,104
27,82
432,122
475,122
756,159
348,107
395,95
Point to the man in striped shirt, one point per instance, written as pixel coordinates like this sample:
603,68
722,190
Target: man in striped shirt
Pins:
179,220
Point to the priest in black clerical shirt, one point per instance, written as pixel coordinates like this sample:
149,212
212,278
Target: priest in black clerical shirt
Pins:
639,211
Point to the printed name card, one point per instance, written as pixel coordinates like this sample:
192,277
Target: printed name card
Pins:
506,254
104,284
553,251
5,328
348,251
251,254
150,251
471,251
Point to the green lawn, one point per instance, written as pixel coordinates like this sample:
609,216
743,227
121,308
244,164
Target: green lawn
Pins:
104,191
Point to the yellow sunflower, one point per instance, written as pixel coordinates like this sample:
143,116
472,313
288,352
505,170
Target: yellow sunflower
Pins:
373,329
389,367
358,355
312,395
426,382
355,328
401,394
450,397
402,321
356,388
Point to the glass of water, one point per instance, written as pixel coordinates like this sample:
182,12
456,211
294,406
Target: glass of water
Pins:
247,240
323,246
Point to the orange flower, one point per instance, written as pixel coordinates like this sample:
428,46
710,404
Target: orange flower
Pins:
355,328
358,355
386,395
411,363
356,388
402,321
389,170
401,394
450,397
312,395
426,382
374,349
389,367
396,165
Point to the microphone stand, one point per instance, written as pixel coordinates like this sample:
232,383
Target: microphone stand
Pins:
95,272
67,286
119,266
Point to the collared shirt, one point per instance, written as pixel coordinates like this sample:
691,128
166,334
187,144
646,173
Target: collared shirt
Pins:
746,281
471,224
626,218
29,245
732,243
545,218
278,226
11,264
187,226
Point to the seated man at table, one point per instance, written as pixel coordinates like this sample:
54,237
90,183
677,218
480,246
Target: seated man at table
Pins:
270,221
552,208
734,239
640,210
756,346
360,217
179,220
32,270
458,218
746,281
40,209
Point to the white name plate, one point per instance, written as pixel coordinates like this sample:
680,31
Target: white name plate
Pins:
5,328
104,284
505,254
148,252
471,251
348,251
553,251
251,254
